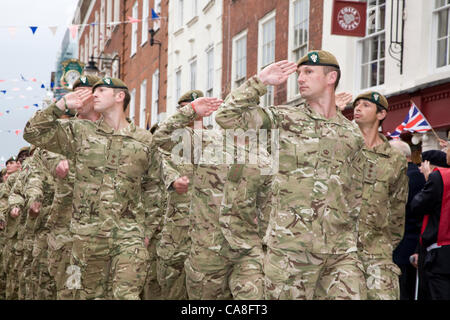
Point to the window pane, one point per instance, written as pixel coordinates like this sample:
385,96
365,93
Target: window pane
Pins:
364,76
442,52
374,49
381,75
442,23
382,48
381,18
439,3
373,74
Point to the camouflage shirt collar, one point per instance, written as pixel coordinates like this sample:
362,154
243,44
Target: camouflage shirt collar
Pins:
382,149
104,127
338,119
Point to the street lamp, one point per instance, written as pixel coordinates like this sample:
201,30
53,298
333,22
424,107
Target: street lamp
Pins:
91,67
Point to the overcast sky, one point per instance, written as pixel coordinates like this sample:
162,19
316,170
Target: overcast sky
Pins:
32,56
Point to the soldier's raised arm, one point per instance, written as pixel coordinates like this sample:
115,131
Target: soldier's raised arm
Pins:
204,107
241,107
45,130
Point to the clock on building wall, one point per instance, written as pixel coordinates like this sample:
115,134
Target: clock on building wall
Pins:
72,70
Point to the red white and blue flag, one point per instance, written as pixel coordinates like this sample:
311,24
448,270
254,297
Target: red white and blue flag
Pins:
414,122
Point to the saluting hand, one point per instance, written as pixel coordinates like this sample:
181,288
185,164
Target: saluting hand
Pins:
205,106
62,169
181,185
75,100
277,73
342,99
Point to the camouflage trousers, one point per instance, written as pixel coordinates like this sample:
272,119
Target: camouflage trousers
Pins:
172,251
2,271
152,289
44,285
58,263
309,276
10,263
382,278
26,286
107,268
229,274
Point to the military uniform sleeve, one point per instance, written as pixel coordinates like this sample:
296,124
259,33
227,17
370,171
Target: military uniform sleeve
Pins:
153,196
16,197
170,131
264,203
34,187
241,108
399,192
46,131
356,171
51,162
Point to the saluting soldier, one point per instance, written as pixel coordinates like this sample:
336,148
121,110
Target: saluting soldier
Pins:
311,237
114,168
385,191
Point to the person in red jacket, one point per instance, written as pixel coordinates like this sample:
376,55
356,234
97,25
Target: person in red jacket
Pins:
433,204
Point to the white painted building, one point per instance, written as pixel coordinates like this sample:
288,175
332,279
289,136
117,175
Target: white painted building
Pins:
194,49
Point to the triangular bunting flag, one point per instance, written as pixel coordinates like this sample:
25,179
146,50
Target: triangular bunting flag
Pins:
42,86
26,107
73,31
18,131
154,15
53,29
33,29
35,105
12,31
3,91
133,20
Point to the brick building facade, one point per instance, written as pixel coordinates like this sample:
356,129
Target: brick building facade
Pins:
116,34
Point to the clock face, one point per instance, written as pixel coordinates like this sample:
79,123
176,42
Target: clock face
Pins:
71,76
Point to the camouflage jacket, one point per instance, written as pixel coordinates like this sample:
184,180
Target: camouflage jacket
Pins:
60,212
246,204
11,223
115,172
385,191
319,181
209,173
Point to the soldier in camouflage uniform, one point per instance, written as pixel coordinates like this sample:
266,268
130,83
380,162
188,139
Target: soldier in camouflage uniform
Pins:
10,231
244,215
3,203
115,172
311,236
152,289
381,220
208,264
59,237
174,245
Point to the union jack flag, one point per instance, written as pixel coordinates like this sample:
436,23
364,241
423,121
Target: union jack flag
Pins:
414,122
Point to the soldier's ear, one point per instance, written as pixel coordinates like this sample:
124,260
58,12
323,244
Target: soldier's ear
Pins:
381,114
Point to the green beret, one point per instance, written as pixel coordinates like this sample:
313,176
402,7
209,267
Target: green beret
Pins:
154,127
85,81
110,83
13,158
374,97
318,58
190,96
23,149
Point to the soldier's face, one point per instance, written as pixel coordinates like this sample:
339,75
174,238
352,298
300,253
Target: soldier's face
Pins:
88,106
12,166
312,81
365,112
104,98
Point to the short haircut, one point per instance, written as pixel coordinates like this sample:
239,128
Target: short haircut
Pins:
328,69
401,146
379,109
127,98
